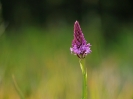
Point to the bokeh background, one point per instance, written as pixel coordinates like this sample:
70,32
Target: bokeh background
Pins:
35,41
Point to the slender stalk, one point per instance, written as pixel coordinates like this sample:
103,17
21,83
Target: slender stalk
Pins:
17,88
84,74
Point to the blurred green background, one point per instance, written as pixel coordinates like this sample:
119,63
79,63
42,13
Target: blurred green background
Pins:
35,41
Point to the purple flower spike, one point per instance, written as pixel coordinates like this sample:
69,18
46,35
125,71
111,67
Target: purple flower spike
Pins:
79,44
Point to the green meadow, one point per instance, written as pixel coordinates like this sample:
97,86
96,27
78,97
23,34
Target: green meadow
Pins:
40,62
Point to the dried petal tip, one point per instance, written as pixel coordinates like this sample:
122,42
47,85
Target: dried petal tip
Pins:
76,22
79,44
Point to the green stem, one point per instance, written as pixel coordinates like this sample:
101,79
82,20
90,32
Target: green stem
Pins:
84,74
17,88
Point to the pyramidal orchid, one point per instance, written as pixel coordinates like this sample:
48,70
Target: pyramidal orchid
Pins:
81,49
79,44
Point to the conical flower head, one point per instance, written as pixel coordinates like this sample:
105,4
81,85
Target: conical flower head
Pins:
79,44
